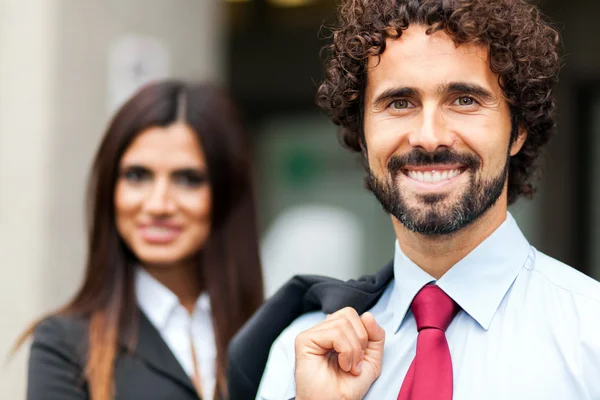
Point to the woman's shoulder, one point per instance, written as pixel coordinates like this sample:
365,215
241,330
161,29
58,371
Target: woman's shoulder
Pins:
57,359
68,332
63,325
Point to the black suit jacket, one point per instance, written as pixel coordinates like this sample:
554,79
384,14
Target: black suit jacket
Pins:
59,353
249,349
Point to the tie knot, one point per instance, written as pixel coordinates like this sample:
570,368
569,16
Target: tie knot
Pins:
433,308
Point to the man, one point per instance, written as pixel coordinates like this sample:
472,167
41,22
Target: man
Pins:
450,102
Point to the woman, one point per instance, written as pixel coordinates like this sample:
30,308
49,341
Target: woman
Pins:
173,267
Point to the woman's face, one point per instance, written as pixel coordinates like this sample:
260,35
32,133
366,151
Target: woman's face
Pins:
162,198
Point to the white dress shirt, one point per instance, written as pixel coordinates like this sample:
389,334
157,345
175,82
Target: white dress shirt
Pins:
177,327
529,328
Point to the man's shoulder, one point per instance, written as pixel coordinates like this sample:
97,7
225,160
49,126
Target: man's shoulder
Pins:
566,279
292,309
305,321
277,380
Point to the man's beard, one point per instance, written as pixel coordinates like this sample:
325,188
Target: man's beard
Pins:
434,215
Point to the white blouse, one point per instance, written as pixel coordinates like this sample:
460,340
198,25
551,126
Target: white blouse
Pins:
179,329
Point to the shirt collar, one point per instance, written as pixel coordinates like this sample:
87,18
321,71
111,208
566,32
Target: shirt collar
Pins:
158,303
477,283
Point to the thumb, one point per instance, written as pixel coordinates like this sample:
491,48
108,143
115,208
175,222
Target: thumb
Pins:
375,345
376,336
374,331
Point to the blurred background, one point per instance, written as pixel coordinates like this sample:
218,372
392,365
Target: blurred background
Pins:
66,65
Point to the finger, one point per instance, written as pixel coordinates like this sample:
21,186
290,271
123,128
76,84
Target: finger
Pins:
358,326
348,346
339,313
348,326
357,350
346,350
322,339
351,314
362,337
349,321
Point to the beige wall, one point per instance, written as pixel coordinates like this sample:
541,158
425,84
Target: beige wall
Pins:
53,109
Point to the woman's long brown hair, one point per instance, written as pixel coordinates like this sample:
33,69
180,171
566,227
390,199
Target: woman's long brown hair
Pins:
229,261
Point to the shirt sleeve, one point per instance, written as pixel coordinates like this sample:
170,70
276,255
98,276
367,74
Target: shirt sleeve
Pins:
277,382
590,348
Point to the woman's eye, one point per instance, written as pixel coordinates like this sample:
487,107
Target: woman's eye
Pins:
136,174
190,178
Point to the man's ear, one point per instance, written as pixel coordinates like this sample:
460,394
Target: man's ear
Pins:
363,146
519,141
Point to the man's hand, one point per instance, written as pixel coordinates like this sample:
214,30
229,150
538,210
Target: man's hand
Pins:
339,358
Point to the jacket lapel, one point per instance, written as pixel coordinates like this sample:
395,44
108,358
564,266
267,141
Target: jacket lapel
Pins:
156,353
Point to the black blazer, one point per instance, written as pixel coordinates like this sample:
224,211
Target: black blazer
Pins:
249,349
59,352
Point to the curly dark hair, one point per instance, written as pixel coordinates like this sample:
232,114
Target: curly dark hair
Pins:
523,51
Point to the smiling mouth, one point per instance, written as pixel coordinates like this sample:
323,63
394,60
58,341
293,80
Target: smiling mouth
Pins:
433,175
157,234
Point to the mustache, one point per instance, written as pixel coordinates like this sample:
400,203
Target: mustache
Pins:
418,157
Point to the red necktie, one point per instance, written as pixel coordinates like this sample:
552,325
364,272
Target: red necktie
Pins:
430,374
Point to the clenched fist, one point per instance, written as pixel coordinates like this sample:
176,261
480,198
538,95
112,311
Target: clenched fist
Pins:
339,358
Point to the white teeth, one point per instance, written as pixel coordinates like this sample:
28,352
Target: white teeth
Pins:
159,231
433,176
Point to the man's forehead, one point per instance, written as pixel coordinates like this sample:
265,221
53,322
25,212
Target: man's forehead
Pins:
418,59
416,44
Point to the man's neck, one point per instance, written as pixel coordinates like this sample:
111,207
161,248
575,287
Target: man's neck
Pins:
436,254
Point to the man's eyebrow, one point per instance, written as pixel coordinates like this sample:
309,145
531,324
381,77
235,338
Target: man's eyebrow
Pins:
395,93
466,88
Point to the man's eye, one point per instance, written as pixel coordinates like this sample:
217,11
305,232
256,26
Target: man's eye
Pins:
400,104
465,101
